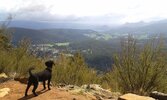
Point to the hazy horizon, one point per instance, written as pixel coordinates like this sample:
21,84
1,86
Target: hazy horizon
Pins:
99,12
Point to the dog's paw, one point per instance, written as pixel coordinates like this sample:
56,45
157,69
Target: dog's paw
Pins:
36,94
43,89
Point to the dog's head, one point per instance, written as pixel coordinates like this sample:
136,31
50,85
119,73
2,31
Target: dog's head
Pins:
49,63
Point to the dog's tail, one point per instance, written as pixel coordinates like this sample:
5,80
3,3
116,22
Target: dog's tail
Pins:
32,68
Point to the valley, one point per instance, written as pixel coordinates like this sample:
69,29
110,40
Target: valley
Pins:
96,46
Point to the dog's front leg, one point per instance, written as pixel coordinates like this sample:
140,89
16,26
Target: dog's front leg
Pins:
44,87
49,84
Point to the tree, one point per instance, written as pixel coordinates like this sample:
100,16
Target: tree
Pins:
15,59
5,37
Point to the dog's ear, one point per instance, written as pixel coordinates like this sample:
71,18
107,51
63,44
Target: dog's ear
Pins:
49,63
53,63
32,68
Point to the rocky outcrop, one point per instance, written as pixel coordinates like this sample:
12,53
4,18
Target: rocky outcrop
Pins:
91,90
17,91
3,77
4,92
158,95
131,96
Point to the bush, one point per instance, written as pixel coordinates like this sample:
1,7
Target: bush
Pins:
18,60
73,70
15,59
140,70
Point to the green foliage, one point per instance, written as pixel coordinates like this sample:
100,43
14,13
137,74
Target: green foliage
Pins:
18,60
4,39
108,81
4,46
140,70
15,59
73,70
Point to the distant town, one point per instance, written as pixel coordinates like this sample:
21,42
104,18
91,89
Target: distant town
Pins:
53,50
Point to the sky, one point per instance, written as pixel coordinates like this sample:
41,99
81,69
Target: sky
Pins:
108,12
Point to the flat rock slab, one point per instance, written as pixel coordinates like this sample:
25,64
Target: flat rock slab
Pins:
131,96
4,92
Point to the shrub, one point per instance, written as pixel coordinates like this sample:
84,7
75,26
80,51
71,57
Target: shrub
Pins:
140,70
73,70
15,59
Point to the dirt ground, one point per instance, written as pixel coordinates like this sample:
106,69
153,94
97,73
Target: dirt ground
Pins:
17,91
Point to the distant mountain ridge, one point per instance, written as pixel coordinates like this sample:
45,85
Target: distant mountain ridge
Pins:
157,27
57,25
50,35
41,32
153,27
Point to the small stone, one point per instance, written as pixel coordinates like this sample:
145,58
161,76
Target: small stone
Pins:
3,75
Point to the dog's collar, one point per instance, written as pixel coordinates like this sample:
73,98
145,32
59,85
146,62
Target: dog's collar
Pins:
49,69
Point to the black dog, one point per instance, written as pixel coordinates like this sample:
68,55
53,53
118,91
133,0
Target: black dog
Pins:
40,77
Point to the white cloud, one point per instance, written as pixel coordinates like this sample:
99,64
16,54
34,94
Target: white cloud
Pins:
130,10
